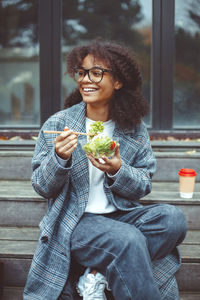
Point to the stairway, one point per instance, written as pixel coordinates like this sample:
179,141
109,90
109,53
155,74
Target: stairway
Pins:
21,210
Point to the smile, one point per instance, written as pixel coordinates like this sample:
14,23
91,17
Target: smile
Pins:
90,90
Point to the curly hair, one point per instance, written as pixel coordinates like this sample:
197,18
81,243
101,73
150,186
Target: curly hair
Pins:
127,106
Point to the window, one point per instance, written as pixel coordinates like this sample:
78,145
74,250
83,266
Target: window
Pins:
36,35
187,65
19,64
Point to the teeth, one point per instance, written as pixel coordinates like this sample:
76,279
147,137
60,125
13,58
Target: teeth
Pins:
89,90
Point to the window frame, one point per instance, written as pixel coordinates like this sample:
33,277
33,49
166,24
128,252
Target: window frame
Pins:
50,28
162,64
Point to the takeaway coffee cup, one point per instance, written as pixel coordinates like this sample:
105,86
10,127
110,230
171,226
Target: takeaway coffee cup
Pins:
186,182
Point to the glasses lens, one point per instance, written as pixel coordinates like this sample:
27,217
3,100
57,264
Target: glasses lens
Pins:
79,74
96,75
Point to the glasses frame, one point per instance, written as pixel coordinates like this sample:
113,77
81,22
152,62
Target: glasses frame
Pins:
87,72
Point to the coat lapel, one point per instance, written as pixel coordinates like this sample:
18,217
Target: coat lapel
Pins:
76,117
80,172
125,138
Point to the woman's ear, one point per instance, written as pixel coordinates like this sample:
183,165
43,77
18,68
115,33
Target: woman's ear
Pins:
118,84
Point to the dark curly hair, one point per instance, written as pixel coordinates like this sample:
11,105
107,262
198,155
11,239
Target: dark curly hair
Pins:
128,106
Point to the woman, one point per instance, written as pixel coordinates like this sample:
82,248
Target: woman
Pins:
94,215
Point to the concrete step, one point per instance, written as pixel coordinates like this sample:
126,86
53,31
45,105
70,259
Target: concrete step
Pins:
175,145
12,293
168,192
157,145
189,296
15,293
17,246
169,164
16,164
20,205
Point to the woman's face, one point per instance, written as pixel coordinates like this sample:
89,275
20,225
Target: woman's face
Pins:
97,94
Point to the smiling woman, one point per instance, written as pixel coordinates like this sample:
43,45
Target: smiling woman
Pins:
97,191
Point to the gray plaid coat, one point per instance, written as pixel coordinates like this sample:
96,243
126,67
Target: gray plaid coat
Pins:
66,189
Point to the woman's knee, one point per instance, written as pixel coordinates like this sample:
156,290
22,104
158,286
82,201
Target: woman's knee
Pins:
174,221
129,238
133,240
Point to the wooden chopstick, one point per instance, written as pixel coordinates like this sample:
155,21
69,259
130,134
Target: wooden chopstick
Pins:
58,132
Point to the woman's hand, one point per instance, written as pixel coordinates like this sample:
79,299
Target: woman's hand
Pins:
65,144
110,165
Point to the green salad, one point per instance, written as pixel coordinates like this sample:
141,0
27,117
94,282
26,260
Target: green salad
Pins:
99,146
95,129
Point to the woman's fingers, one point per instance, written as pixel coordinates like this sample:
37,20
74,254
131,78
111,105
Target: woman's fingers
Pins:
66,148
65,144
108,165
64,135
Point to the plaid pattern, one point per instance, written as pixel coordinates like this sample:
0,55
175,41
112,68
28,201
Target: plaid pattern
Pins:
67,192
164,270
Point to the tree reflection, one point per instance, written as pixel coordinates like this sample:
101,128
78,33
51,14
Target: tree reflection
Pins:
187,67
112,20
19,67
194,12
18,23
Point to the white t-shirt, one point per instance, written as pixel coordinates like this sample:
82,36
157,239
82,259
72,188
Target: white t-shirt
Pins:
98,202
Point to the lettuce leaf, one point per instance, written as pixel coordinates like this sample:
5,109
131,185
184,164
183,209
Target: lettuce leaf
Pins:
100,146
95,128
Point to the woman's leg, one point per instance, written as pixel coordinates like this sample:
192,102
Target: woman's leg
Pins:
163,272
163,225
120,252
165,228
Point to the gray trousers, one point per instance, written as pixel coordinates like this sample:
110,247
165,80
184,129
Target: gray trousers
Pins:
122,246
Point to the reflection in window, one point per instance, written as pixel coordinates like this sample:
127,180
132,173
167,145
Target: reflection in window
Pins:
19,67
129,22
187,64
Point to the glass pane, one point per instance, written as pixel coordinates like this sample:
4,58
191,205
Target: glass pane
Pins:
19,63
129,22
187,64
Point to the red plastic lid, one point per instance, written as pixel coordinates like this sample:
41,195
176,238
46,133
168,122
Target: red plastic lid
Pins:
187,172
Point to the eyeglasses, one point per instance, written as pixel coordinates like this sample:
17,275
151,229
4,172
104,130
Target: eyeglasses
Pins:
95,74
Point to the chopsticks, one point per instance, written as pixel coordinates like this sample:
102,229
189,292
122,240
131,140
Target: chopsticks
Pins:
58,132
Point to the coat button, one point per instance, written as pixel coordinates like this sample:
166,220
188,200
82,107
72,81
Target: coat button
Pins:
44,238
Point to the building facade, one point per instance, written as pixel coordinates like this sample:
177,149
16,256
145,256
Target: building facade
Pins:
35,36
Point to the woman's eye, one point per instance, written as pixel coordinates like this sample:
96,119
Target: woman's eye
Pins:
96,73
80,73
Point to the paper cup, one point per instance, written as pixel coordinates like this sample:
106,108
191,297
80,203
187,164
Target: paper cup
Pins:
186,182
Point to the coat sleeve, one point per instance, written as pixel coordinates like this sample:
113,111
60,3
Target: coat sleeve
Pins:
48,176
133,180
